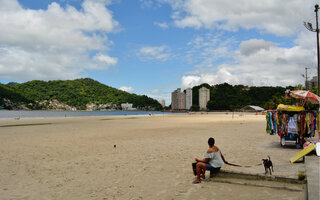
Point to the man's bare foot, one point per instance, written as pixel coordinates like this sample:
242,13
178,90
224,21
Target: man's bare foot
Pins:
196,181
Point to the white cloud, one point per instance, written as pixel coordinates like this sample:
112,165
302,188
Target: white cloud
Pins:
150,3
306,39
210,47
252,46
217,58
127,89
161,95
162,25
56,43
156,91
161,53
146,3
256,62
105,59
190,81
282,18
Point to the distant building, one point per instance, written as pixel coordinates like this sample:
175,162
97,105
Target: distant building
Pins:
174,99
252,108
162,102
188,98
127,106
204,97
178,100
312,83
246,88
91,106
181,101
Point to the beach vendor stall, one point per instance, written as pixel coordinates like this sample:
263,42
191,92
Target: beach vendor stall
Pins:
293,123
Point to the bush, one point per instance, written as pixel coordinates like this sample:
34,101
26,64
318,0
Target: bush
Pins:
195,108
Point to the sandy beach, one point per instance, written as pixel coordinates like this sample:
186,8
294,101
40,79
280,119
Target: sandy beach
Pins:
75,158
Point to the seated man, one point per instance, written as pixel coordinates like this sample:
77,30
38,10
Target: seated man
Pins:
213,161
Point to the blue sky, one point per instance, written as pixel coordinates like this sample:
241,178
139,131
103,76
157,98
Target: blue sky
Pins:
153,47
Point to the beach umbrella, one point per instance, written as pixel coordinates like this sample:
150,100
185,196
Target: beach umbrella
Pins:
306,96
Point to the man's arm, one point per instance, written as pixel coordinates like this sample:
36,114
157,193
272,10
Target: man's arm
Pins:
223,158
205,160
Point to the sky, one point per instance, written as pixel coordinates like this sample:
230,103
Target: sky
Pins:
153,47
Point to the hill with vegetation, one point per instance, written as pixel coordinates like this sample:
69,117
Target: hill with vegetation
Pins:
228,97
9,96
77,93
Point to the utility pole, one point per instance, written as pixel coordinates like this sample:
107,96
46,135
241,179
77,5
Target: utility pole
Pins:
317,29
309,27
307,88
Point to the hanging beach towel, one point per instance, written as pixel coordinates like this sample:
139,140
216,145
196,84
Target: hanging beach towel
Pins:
292,125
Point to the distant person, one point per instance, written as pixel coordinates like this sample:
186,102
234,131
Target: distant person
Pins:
213,160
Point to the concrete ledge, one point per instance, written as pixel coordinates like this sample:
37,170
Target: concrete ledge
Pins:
312,164
259,180
261,185
231,174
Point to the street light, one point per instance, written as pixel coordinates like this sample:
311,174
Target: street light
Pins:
308,25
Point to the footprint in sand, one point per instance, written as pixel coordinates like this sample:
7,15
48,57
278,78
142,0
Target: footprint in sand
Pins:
189,192
178,183
161,192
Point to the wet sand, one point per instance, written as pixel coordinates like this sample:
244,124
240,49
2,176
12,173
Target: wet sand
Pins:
75,158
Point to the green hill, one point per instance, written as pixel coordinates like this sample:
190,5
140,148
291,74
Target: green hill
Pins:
233,97
9,94
79,92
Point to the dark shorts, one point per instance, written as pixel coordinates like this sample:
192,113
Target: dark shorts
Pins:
209,167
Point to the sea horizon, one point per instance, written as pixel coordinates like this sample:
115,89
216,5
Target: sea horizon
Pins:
10,114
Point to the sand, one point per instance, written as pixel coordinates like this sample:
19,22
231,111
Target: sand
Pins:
75,158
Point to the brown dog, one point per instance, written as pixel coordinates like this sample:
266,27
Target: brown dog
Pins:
267,165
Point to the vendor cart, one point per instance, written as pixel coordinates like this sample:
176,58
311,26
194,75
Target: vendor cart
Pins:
290,137
294,123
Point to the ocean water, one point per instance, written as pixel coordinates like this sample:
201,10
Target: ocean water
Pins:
9,114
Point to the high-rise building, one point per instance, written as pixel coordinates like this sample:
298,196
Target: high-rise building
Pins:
181,101
178,100
174,99
188,98
204,97
162,102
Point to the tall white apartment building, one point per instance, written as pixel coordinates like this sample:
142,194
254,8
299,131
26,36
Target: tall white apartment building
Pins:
181,101
178,100
162,102
204,97
188,98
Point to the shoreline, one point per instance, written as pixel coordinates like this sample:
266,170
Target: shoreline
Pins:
67,114
19,116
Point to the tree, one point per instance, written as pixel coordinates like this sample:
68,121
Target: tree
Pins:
210,105
228,97
80,92
195,108
195,93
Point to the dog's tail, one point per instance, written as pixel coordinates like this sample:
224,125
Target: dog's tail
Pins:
269,157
